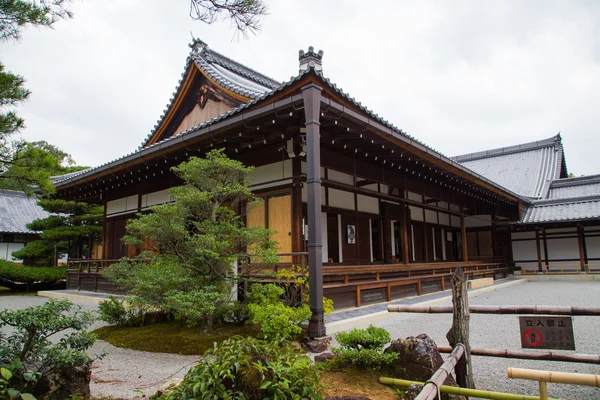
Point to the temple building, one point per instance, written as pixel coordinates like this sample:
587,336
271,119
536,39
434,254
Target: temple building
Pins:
377,213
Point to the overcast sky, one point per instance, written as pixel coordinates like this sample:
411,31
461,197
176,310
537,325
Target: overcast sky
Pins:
460,76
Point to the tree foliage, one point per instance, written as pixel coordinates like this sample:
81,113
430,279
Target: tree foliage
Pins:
29,338
71,229
33,163
244,14
195,240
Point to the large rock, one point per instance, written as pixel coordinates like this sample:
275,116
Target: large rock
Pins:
418,359
63,384
316,345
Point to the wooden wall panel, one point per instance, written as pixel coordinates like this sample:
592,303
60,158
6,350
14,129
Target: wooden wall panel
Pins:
280,220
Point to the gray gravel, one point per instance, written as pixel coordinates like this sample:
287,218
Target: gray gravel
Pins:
502,332
122,373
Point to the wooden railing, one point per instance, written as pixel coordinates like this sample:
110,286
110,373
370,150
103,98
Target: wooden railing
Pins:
88,265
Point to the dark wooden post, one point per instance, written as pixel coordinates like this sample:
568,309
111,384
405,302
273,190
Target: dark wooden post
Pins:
463,234
538,250
404,232
297,210
312,107
545,249
581,243
459,333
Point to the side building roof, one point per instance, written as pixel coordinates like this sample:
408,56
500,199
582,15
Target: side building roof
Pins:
526,169
17,210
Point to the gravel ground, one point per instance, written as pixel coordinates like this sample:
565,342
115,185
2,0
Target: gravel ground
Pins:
502,332
122,373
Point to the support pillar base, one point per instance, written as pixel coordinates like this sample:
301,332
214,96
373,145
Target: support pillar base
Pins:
316,325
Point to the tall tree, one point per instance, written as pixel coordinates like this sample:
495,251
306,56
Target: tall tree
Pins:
35,163
244,14
71,229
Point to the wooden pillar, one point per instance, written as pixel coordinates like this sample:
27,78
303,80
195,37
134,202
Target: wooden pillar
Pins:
545,248
463,234
538,250
581,243
404,233
312,106
297,210
425,241
459,333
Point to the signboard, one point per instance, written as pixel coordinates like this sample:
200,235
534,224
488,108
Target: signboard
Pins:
547,332
351,230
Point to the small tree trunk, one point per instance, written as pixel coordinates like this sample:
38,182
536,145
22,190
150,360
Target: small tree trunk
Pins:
459,333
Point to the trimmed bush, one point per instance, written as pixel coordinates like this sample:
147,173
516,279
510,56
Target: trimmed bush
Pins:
363,348
14,273
251,369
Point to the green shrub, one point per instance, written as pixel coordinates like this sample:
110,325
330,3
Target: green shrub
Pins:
120,313
28,348
277,321
8,392
196,307
297,289
14,273
251,369
363,348
235,313
370,338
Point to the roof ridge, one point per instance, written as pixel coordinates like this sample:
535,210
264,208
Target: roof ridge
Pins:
242,69
501,151
566,200
575,181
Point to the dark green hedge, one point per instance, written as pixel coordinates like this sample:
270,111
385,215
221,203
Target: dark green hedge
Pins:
14,273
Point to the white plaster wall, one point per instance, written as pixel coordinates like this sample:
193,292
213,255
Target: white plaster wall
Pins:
305,194
455,220
431,216
324,251
562,249
416,213
373,187
6,250
415,197
525,250
444,219
563,230
271,172
592,246
122,206
154,198
367,204
341,199
340,177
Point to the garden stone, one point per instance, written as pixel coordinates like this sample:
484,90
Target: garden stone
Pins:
324,357
316,345
60,385
418,359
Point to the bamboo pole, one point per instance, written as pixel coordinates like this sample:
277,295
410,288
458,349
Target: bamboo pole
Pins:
483,309
524,355
430,389
481,394
569,378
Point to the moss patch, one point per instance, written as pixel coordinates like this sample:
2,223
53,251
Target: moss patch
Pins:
171,337
357,382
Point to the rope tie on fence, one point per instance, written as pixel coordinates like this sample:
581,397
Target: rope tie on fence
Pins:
437,387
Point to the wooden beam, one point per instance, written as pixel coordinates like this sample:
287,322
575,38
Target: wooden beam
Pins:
463,234
404,234
545,248
538,250
581,244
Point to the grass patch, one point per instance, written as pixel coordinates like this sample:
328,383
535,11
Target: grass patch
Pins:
171,337
357,382
4,289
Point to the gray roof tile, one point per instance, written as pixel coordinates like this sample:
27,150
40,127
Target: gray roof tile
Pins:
563,210
17,210
526,169
574,187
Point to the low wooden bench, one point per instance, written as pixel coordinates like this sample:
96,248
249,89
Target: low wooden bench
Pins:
388,284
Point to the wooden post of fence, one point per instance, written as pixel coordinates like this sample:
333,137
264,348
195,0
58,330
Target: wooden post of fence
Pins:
459,333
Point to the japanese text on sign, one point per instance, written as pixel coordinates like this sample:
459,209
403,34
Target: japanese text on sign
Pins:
547,332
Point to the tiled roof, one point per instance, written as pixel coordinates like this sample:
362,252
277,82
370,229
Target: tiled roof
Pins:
17,210
563,210
526,169
226,72
574,187
181,136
